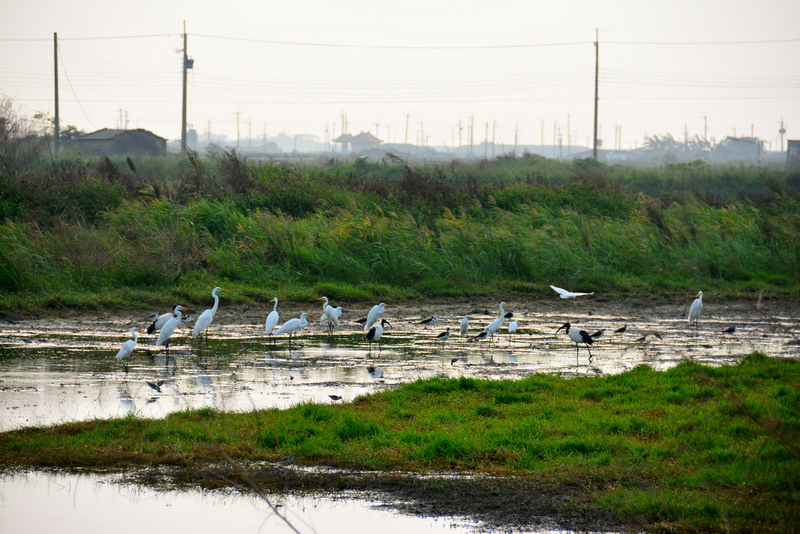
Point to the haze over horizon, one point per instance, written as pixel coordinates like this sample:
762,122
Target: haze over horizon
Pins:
418,72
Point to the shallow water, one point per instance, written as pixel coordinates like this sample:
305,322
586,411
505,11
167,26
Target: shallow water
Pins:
63,369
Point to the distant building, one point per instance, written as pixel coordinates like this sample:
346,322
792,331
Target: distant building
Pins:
793,155
358,143
139,142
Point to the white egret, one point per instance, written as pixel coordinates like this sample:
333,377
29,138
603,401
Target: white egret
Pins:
495,325
169,327
429,321
331,313
695,309
294,325
272,318
569,294
512,327
374,314
204,321
159,321
464,325
578,336
128,346
444,336
374,334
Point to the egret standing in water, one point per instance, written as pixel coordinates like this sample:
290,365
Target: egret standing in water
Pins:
159,321
374,314
512,328
464,325
578,336
331,313
128,346
204,321
272,319
495,325
169,327
294,325
374,334
694,311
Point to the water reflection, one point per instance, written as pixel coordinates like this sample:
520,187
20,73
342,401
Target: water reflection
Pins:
94,504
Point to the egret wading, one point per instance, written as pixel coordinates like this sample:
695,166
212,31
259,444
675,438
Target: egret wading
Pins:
169,327
128,346
204,321
331,313
159,321
495,325
374,334
464,325
294,325
374,314
694,311
272,319
569,294
578,336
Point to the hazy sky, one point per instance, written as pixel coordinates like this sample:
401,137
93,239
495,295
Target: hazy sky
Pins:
412,69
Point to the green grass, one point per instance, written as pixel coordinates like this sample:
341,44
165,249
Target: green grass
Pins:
89,233
692,448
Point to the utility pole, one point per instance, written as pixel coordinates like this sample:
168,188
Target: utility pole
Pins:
187,64
237,128
55,70
782,131
596,69
407,117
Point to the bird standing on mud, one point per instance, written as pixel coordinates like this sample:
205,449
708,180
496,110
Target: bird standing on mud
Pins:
374,314
578,336
444,336
204,321
430,321
294,325
272,318
495,325
464,325
169,327
128,346
695,309
374,334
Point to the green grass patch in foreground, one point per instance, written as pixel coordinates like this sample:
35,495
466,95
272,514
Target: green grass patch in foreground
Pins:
694,447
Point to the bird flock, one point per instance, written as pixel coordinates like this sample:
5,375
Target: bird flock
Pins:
374,324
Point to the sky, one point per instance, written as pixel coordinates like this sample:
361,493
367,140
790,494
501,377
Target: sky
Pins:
436,73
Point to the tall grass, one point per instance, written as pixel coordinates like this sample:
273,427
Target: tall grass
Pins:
101,227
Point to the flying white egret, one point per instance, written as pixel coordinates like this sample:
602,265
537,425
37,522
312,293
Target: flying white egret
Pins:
272,318
495,325
444,336
569,294
578,336
169,327
429,321
695,309
128,346
374,334
204,321
374,314
159,321
294,325
464,325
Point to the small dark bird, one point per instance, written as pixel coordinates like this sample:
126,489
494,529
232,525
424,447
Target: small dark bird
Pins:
480,337
286,461
155,385
598,334
244,308
453,361
444,336
730,330
509,315
429,321
362,320
621,330
335,397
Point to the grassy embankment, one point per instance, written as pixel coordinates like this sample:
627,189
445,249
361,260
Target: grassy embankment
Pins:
89,233
691,448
